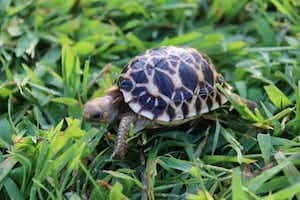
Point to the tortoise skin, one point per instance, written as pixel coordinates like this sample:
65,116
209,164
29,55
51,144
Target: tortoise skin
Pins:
171,84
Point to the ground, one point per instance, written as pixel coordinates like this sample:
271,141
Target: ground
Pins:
55,55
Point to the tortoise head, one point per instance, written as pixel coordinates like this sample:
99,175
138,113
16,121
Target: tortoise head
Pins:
100,110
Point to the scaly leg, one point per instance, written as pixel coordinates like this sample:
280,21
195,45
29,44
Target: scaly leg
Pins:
123,131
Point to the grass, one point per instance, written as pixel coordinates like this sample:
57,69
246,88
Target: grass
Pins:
55,55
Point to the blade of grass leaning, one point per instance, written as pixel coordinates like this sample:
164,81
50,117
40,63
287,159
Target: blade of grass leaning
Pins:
116,192
233,143
254,184
85,79
244,111
290,171
286,193
124,176
216,137
70,71
265,145
278,98
237,186
215,159
12,189
5,167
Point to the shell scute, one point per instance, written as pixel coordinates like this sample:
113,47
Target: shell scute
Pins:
138,91
126,84
188,76
138,64
139,77
164,83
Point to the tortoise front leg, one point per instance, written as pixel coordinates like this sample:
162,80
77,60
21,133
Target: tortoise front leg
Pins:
123,131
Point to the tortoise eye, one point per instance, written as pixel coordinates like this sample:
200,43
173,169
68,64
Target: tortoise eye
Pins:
97,116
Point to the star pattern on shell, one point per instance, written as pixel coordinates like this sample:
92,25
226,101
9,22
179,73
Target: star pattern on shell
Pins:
171,83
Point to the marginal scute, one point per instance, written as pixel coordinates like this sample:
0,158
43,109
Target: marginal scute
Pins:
125,84
171,112
161,103
138,91
149,104
198,105
185,109
187,95
143,99
207,72
197,57
209,102
203,92
157,111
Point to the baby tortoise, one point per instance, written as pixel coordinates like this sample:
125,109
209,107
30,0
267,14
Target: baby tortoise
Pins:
166,86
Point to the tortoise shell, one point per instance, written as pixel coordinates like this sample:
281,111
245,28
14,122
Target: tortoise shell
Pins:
170,84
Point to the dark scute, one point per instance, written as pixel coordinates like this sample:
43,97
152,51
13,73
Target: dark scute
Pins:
155,60
185,109
159,109
163,83
187,58
161,103
173,63
188,76
143,99
208,74
138,90
203,90
150,104
149,69
177,97
125,84
182,94
209,103
138,64
210,89
198,105
171,112
156,112
186,95
139,77
163,64
197,57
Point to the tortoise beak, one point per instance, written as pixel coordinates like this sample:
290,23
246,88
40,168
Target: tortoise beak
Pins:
92,113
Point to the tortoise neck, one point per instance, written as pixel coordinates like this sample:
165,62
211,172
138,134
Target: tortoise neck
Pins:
115,96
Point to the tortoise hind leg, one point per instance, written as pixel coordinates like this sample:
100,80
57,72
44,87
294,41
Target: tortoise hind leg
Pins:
123,131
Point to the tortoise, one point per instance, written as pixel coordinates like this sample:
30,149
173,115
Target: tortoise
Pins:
166,86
